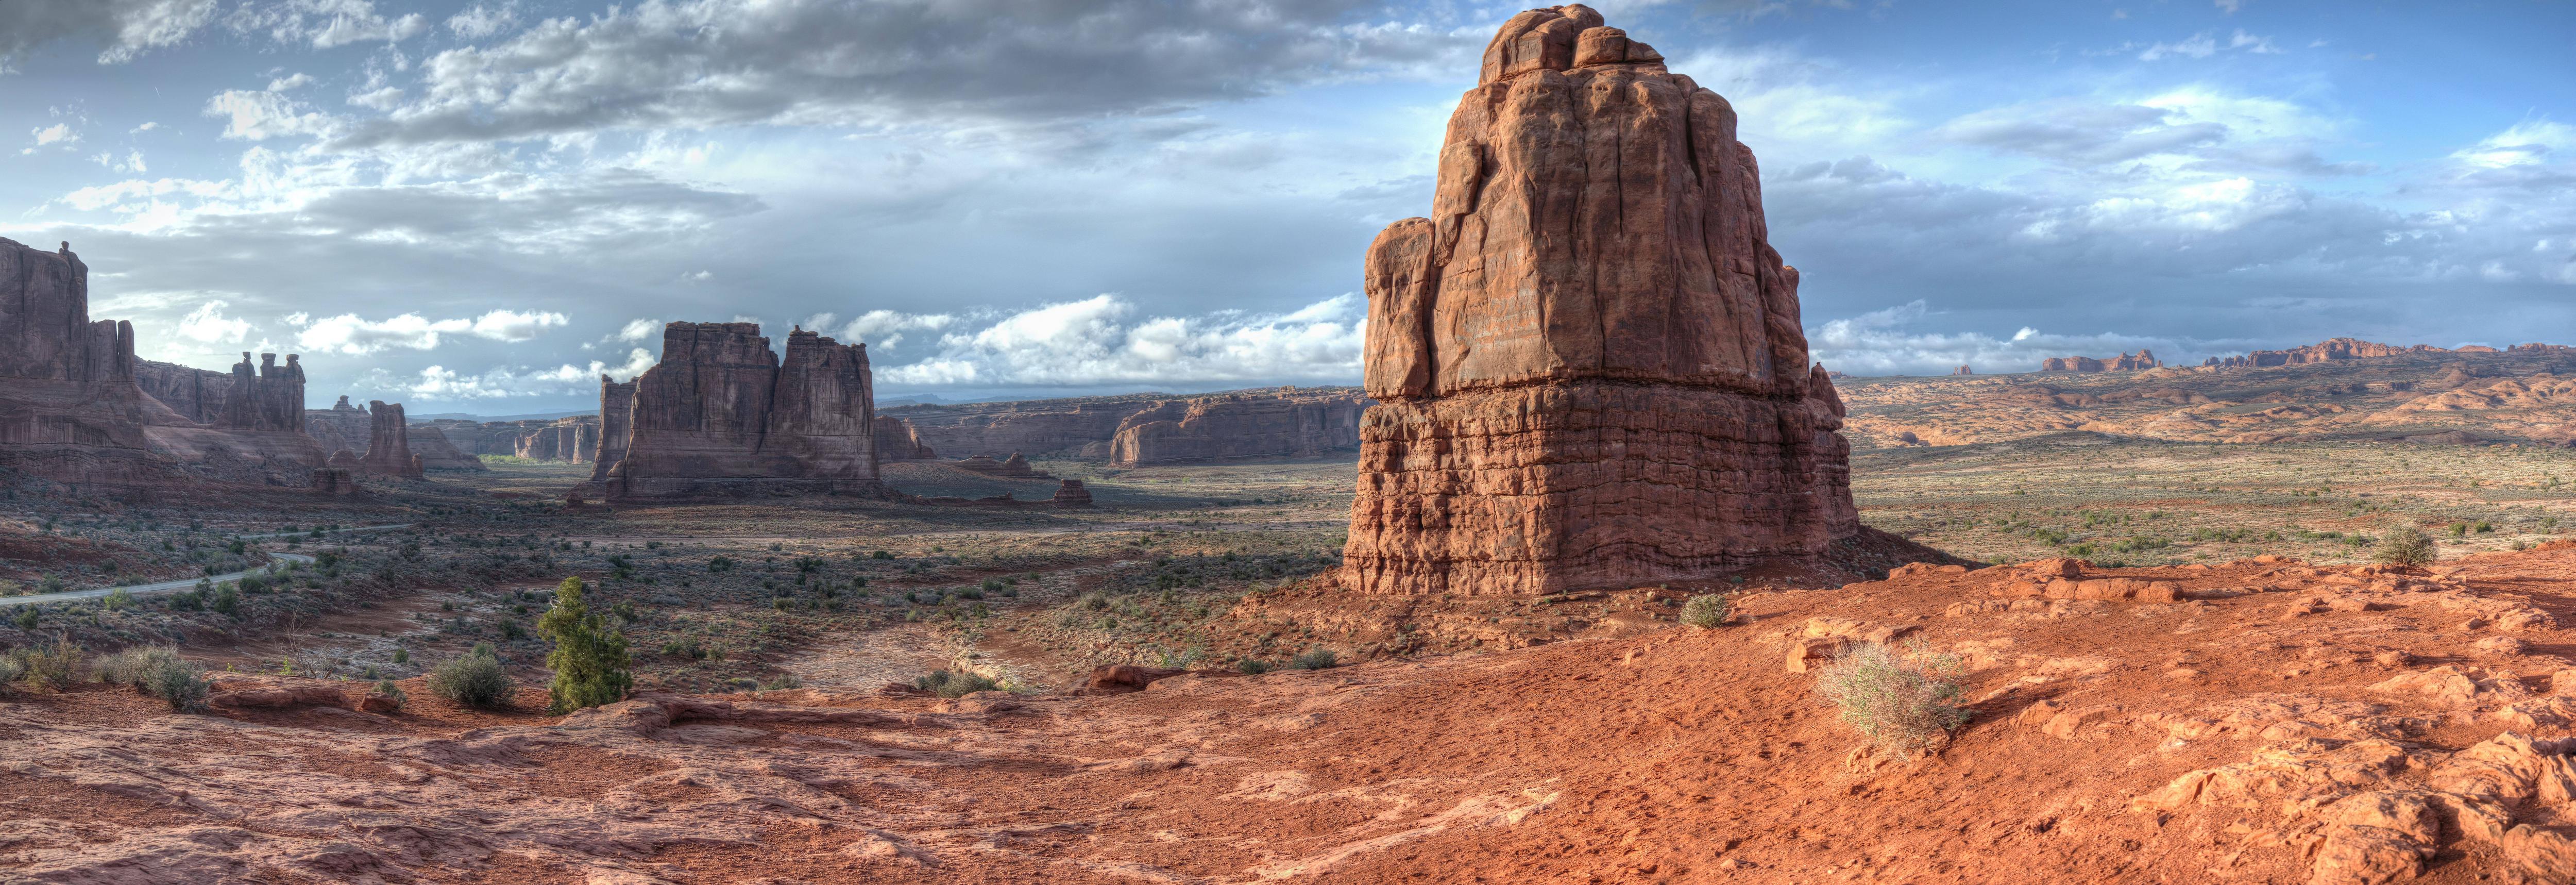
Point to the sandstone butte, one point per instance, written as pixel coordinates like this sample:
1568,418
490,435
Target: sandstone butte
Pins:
722,415
1588,362
82,414
616,425
389,443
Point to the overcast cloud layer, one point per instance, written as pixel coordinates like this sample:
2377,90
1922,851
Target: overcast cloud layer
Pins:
482,206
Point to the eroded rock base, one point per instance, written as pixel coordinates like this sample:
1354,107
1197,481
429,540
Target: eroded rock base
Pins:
1580,486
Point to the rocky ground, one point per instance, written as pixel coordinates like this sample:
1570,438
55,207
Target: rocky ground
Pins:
2213,718
2250,721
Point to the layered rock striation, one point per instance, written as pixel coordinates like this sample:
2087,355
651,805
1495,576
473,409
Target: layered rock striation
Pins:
1588,361
722,414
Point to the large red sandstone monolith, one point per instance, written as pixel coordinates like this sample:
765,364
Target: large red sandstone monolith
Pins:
722,414
1588,361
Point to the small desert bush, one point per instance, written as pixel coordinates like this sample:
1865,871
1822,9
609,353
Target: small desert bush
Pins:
475,680
1708,610
783,681
179,682
954,684
1316,659
55,665
1252,666
133,667
2405,546
1902,697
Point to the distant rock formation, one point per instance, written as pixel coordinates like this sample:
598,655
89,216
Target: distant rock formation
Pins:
897,441
270,397
1963,370
335,481
73,408
1287,423
616,425
2339,349
722,414
1588,362
1089,427
574,438
342,426
2127,362
389,443
435,451
1016,467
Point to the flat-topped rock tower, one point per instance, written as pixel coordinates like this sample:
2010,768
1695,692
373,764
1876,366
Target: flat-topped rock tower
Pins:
1588,360
723,415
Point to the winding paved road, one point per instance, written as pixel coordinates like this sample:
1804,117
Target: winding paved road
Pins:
184,583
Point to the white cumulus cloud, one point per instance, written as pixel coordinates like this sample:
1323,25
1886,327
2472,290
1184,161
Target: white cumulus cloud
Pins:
208,324
1099,340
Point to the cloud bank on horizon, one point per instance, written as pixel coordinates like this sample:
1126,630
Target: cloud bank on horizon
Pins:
485,204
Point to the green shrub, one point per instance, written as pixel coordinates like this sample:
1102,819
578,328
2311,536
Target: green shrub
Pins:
1316,659
118,599
26,619
1252,666
55,665
227,600
783,681
1901,698
10,670
589,659
1708,609
402,655
2406,546
134,667
475,680
181,683
954,684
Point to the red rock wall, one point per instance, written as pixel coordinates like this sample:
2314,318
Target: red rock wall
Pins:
1588,361
340,428
72,409
722,414
1089,427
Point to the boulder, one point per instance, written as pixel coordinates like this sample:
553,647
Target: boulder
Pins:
1588,362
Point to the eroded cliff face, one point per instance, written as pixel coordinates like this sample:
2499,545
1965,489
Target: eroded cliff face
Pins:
74,410
897,441
722,414
616,425
1588,360
1287,423
340,428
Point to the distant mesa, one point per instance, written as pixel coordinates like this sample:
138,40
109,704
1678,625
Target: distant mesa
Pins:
1963,370
2339,349
2127,362
1139,430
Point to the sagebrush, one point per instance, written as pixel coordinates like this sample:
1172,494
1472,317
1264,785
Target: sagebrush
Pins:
1903,697
2406,546
954,684
475,680
1708,609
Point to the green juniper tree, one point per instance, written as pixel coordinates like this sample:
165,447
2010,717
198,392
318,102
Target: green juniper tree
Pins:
589,659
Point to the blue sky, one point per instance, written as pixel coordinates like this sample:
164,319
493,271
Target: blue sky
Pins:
480,206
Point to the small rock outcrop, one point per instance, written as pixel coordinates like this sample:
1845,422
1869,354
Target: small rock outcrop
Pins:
2127,362
389,443
1588,362
335,481
1963,370
1016,467
722,414
1071,494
